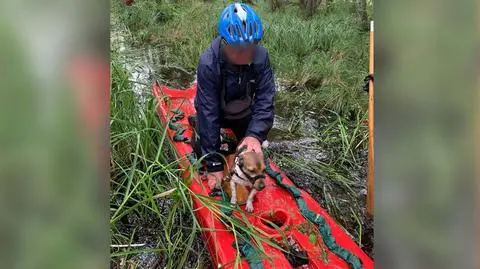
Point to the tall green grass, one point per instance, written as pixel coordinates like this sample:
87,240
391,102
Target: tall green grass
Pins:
324,55
146,191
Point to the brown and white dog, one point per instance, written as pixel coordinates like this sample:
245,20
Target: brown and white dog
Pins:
245,179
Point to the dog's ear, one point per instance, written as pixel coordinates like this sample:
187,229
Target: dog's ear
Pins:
242,149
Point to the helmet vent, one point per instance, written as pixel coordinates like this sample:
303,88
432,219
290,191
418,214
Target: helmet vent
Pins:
239,31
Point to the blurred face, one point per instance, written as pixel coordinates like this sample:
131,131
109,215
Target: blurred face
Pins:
239,55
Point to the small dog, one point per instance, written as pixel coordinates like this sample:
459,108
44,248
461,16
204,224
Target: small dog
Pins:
248,172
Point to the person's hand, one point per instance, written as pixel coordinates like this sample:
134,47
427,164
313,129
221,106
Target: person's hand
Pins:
250,143
214,179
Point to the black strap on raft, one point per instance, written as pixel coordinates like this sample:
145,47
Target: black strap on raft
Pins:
296,258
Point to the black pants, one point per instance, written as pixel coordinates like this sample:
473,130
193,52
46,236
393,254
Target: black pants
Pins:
239,128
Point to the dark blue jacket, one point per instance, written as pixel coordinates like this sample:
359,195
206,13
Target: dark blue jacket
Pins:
208,106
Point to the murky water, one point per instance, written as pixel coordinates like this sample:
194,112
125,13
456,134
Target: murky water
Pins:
137,62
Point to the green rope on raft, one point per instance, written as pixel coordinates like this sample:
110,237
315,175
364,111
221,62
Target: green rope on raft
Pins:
317,219
246,248
179,130
192,157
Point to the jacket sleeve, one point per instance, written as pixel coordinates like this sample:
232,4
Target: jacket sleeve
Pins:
263,110
208,116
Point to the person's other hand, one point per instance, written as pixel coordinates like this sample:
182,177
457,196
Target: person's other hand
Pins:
250,143
214,179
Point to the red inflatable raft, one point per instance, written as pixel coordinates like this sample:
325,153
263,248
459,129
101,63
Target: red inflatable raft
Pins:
277,205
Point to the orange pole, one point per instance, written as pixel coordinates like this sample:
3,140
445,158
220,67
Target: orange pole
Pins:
371,159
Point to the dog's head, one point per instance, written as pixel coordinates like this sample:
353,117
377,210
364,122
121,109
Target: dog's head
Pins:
253,166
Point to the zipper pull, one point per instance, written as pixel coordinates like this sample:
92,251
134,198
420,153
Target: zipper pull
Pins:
239,80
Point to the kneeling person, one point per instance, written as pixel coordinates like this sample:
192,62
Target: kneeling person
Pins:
235,88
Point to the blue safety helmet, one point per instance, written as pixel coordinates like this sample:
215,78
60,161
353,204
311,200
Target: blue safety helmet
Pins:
240,25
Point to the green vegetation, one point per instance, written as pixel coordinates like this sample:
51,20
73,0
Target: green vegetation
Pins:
319,59
324,56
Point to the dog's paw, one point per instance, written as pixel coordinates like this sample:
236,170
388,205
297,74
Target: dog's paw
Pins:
249,207
233,201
